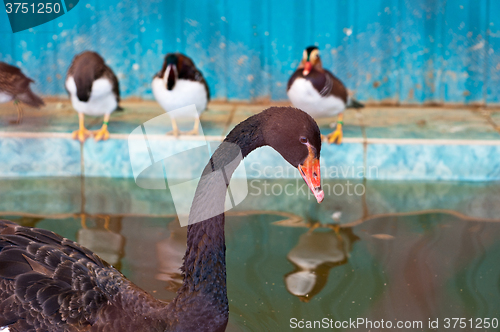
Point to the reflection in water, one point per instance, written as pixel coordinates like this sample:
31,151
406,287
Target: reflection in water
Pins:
405,267
103,238
27,221
99,233
314,255
170,253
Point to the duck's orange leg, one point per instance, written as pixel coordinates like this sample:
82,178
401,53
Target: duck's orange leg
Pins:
175,130
82,133
337,135
195,130
103,133
19,111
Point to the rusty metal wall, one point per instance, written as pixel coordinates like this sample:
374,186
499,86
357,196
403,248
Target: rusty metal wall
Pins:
407,51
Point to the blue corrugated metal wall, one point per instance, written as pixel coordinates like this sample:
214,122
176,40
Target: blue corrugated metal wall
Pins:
408,51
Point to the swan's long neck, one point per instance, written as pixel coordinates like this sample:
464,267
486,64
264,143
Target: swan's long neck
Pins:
204,286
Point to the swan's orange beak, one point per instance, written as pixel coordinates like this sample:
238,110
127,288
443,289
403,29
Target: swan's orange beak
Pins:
307,68
310,171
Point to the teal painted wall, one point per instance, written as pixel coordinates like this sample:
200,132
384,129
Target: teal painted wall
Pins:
407,51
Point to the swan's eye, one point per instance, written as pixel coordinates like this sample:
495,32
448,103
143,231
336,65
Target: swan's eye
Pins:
303,140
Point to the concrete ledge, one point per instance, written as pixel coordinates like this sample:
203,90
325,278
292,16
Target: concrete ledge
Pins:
56,155
39,157
386,143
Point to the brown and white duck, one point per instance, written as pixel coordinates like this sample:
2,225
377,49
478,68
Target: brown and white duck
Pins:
318,92
49,283
94,90
14,85
178,84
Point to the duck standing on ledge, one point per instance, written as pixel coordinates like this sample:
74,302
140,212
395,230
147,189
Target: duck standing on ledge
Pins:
178,84
94,90
49,283
318,92
15,86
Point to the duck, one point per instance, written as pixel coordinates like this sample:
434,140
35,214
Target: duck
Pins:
94,90
50,283
318,92
179,84
14,85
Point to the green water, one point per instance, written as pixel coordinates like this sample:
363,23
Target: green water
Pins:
411,268
401,252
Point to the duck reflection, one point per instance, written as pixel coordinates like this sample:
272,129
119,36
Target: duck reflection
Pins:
173,247
26,221
103,238
320,249
315,254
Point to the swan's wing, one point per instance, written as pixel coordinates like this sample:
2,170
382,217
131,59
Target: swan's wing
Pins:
50,283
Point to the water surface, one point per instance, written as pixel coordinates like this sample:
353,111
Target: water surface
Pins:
416,267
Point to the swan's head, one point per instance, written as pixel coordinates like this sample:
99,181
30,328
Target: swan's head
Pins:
296,136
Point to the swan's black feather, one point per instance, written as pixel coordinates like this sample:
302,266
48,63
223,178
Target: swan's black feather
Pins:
7,308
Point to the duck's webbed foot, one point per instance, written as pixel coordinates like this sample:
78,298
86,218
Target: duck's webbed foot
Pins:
101,134
336,136
81,134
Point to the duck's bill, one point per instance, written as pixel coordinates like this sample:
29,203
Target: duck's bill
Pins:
307,68
310,172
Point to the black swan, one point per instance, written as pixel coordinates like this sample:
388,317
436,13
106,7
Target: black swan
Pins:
14,85
49,283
